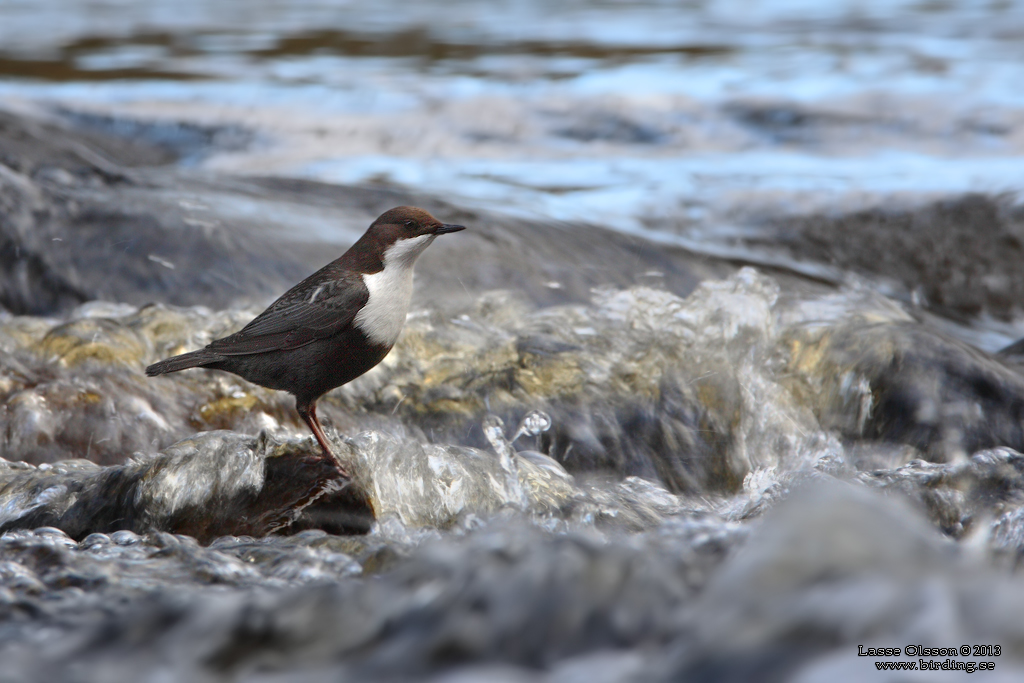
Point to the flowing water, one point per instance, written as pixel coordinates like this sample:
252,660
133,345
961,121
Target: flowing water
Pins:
620,113
708,390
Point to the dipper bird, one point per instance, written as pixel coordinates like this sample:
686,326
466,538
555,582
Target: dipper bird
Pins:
333,326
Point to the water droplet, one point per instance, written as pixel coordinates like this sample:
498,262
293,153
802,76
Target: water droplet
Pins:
534,423
125,537
494,430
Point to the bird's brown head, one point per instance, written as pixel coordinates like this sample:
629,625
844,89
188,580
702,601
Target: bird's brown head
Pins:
403,222
408,228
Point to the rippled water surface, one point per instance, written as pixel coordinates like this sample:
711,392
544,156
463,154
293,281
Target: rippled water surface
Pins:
709,389
621,113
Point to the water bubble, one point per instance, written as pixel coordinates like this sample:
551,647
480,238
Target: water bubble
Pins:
535,422
94,540
125,537
49,531
54,536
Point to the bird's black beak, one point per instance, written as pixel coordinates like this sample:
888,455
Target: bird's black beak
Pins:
446,228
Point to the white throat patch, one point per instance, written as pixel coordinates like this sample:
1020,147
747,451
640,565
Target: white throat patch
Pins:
383,316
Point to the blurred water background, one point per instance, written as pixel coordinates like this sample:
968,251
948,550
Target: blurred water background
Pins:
675,117
719,385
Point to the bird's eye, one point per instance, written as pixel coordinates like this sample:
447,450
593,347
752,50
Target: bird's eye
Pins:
410,224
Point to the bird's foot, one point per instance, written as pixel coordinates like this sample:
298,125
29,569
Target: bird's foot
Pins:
342,471
329,456
308,413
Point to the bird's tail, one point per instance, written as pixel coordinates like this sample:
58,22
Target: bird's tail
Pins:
193,359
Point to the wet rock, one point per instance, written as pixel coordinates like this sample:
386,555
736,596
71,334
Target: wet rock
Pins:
77,226
958,256
35,147
504,593
905,384
181,142
957,496
76,389
262,485
830,569
99,340
81,220
211,485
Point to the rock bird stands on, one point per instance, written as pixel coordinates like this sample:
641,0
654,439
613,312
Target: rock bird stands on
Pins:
333,326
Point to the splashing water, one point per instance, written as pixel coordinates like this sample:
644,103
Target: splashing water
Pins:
534,423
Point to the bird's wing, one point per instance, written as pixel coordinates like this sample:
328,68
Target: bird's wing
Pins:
298,318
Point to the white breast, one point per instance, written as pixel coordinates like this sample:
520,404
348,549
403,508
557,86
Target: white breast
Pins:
382,317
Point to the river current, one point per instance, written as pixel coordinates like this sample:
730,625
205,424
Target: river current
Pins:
719,384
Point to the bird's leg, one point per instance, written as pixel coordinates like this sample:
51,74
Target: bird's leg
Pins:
308,413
